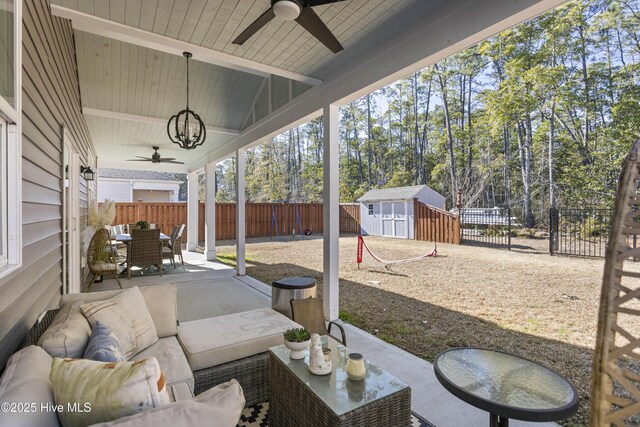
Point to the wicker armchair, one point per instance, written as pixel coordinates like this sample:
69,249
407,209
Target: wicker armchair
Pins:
615,396
144,250
310,314
101,258
174,248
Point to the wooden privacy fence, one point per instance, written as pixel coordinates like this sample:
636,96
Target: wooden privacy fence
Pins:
435,224
259,217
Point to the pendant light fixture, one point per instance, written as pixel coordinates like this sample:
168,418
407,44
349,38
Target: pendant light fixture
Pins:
186,128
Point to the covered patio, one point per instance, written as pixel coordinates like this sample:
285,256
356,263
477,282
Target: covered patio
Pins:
132,79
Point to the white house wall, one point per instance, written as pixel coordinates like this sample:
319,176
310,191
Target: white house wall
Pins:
153,196
50,98
127,191
118,191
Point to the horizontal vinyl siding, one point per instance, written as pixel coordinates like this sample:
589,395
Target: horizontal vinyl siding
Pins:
51,99
116,191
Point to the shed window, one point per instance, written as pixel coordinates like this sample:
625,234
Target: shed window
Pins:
370,209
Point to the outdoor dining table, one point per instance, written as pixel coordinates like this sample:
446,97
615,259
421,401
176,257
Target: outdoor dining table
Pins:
126,239
505,385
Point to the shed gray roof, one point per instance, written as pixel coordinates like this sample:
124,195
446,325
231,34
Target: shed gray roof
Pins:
136,174
397,193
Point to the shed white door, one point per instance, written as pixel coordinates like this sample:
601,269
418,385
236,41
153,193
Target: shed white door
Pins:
394,218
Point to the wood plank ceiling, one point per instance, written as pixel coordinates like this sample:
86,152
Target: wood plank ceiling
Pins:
125,78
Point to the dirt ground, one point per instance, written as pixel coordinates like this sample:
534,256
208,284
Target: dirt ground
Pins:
521,301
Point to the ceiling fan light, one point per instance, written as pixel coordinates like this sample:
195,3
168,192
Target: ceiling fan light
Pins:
287,10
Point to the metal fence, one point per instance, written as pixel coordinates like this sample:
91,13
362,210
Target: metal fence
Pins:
486,227
580,232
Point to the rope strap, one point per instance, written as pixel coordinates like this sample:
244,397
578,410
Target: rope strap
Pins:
362,244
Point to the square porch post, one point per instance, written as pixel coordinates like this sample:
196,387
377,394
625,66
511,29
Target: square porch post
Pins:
192,211
330,217
210,213
241,161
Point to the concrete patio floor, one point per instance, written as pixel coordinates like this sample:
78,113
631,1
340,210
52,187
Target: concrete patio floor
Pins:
207,289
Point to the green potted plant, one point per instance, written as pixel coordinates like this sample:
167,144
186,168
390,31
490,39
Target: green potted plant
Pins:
297,340
143,225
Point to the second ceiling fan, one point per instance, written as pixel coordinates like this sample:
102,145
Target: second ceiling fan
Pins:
155,158
302,12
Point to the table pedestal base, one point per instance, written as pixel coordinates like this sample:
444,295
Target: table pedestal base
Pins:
496,420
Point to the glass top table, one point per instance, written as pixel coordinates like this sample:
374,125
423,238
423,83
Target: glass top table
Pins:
335,391
505,385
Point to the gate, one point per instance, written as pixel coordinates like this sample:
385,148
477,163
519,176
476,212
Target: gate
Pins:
486,227
580,232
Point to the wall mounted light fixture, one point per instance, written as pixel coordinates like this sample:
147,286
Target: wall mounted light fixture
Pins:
87,173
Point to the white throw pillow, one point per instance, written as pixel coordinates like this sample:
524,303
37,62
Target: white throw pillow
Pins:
127,316
68,334
220,406
91,392
25,387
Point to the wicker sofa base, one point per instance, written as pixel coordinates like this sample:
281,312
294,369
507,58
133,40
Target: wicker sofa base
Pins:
251,372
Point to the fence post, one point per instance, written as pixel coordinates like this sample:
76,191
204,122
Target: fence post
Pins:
509,228
458,225
553,229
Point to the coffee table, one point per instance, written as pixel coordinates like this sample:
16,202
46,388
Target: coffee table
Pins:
505,385
299,399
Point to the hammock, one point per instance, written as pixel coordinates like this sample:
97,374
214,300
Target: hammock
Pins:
387,263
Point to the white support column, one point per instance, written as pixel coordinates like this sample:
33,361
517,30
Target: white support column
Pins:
210,213
330,213
240,212
192,211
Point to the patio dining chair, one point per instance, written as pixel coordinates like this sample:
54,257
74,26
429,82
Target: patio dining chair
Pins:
144,250
310,314
174,248
615,392
101,259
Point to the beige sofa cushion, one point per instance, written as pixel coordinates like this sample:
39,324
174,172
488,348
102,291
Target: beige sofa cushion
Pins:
105,390
68,334
219,406
179,391
26,381
161,302
216,340
126,315
172,360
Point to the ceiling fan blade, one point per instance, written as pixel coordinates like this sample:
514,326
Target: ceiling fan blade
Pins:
311,22
312,3
141,159
166,159
255,27
171,161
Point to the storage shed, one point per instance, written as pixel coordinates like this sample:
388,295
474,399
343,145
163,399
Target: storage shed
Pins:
388,212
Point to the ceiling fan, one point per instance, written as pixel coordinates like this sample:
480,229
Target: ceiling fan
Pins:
155,158
302,12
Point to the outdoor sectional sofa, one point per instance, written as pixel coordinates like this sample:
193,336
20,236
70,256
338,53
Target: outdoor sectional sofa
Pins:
201,357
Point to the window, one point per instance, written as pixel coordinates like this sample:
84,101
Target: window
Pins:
370,209
10,135
7,52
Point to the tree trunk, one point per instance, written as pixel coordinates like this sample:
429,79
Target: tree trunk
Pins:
369,141
524,152
447,122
